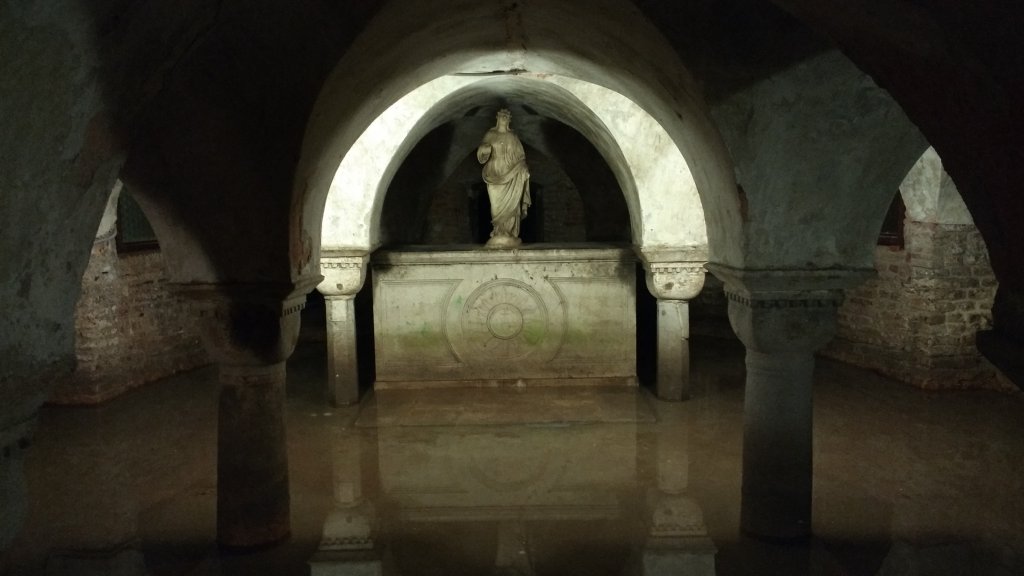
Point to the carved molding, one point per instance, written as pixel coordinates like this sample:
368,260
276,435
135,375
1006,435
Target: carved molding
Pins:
676,516
785,311
826,299
347,543
349,529
674,273
788,283
675,280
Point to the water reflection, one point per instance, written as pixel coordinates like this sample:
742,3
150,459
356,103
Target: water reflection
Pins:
412,497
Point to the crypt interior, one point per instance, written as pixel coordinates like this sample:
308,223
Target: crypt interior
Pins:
767,316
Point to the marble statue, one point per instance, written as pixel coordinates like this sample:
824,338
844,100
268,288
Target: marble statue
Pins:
508,181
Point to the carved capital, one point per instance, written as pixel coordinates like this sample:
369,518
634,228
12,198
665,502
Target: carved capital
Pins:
676,274
344,273
676,280
250,324
780,311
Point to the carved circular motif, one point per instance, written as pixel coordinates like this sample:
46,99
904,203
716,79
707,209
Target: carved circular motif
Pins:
504,319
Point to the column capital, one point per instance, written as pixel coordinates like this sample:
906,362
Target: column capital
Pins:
674,274
251,323
778,311
344,273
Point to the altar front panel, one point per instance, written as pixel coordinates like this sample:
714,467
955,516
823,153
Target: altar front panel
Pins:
533,316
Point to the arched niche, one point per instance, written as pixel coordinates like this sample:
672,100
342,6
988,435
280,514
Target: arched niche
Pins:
413,44
660,191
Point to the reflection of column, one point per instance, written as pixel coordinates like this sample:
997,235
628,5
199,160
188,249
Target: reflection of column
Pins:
677,539
672,451
782,317
250,331
344,275
99,532
511,557
347,545
14,441
674,278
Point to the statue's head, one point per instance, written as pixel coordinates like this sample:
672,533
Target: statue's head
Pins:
504,114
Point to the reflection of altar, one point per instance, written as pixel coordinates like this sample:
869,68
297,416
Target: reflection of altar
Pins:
466,474
540,314
597,498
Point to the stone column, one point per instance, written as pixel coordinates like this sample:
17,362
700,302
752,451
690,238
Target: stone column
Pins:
673,281
250,331
344,275
782,317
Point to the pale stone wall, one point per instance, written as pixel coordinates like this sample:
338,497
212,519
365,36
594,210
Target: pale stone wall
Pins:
129,327
917,320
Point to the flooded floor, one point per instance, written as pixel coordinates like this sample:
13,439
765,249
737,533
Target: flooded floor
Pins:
534,481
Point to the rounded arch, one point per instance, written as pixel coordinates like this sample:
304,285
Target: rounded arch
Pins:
413,43
660,192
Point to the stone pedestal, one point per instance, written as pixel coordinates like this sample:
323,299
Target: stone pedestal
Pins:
344,275
539,315
250,331
782,317
674,281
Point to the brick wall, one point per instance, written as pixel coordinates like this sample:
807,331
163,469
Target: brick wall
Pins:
129,328
917,320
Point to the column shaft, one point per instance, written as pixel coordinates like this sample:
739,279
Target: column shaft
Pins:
673,379
777,451
342,361
252,459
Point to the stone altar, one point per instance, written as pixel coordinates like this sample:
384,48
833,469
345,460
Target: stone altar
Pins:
537,315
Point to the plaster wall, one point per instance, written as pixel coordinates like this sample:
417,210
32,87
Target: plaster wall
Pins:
845,145
930,195
58,163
